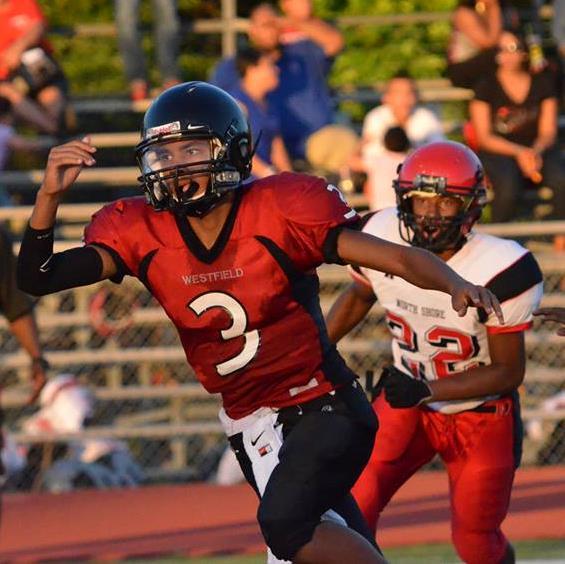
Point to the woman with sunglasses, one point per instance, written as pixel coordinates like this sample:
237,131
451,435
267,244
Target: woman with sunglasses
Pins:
514,115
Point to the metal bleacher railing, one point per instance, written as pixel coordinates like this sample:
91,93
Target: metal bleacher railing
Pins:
117,339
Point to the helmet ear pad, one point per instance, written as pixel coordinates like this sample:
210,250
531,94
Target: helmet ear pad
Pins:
240,155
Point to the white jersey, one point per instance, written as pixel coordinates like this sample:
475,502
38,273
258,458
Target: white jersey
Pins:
429,339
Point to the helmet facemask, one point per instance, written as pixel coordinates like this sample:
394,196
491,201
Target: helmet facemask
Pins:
178,186
437,233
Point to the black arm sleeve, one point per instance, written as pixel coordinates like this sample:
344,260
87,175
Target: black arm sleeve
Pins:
41,272
329,247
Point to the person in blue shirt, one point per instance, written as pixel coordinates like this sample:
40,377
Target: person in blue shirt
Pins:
258,76
309,46
304,47
263,34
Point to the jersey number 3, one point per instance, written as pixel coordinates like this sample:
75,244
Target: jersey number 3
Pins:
237,329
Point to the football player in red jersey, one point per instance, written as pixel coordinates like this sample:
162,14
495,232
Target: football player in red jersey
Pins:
234,267
452,388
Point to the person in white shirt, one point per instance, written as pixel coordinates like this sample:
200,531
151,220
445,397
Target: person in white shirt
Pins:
399,108
66,406
384,169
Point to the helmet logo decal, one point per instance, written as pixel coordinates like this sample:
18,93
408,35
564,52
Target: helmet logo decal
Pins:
166,128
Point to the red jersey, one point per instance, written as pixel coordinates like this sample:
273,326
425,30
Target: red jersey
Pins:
15,20
247,310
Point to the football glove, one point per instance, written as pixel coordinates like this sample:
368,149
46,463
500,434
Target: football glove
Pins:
402,390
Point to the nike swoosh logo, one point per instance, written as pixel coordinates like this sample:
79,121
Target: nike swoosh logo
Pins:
254,442
45,266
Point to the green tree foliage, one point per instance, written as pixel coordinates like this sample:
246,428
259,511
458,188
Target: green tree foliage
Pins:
93,64
373,53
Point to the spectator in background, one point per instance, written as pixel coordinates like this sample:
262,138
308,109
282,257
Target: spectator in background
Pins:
303,47
17,308
259,75
263,35
19,105
558,33
303,97
399,108
329,152
476,28
383,169
167,29
66,406
514,115
554,314
12,459
11,141
558,27
27,68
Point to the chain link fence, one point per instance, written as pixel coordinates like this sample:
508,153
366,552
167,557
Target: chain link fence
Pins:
144,397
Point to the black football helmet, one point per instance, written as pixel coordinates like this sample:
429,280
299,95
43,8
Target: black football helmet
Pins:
442,168
194,110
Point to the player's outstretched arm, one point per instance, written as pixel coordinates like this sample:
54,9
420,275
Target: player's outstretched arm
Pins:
40,271
556,314
351,306
417,266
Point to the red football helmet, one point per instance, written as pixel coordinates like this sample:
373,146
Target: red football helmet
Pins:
444,168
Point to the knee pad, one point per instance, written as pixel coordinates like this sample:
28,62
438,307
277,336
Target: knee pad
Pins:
285,536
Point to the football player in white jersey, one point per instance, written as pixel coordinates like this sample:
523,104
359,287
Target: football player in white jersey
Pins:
452,387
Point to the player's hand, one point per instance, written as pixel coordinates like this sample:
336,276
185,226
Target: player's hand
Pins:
402,390
555,314
64,164
465,295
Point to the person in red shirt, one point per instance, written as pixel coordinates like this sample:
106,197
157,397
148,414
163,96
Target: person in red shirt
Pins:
27,68
234,266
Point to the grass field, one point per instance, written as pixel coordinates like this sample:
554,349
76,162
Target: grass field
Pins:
549,550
